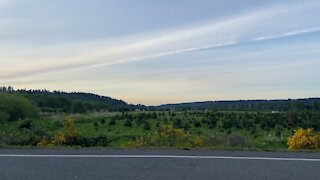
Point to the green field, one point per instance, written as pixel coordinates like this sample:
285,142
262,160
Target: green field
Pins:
53,119
218,130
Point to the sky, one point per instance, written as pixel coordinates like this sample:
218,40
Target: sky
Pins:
163,51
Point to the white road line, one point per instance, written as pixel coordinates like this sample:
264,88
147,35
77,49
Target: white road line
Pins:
159,156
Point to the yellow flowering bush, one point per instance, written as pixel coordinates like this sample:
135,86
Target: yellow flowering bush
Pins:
71,132
58,139
304,139
197,142
67,137
168,136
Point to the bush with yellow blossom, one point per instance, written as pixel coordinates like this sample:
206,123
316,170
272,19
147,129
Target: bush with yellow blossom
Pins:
168,136
68,137
304,139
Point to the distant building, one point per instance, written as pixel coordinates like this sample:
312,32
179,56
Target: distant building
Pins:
275,112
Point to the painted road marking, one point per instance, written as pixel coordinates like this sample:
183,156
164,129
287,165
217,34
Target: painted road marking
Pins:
158,156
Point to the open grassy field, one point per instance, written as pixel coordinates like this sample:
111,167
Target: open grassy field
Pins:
217,130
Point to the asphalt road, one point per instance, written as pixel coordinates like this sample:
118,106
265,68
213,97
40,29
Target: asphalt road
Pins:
156,164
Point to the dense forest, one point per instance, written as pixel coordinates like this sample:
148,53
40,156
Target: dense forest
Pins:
74,102
307,104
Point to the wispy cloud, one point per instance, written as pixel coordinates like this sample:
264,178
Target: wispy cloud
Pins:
288,34
211,35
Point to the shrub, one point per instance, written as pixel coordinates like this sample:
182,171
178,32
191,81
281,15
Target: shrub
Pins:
225,140
178,123
103,121
304,139
69,137
101,140
57,124
25,124
236,140
58,139
25,137
128,123
14,107
212,123
4,116
279,130
96,125
157,125
112,122
146,126
197,124
71,133
197,142
168,136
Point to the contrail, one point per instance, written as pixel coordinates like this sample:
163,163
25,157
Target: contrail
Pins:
288,34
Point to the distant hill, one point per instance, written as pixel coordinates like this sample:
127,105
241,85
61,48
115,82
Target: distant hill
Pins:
249,105
79,102
59,101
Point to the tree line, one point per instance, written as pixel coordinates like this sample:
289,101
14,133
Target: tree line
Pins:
74,102
307,104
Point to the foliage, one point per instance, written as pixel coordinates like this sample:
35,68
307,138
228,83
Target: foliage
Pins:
168,136
58,139
14,107
188,128
309,104
25,124
68,137
112,122
25,136
304,139
4,116
78,107
58,101
103,121
146,126
225,140
128,123
71,133
72,137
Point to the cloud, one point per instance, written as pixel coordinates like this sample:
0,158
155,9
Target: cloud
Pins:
288,34
226,32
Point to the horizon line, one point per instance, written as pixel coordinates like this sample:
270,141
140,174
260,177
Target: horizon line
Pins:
175,103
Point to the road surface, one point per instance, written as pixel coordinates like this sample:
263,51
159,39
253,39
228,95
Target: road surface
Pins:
156,164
